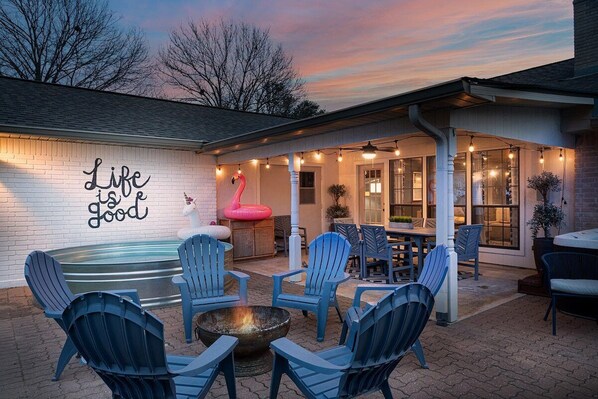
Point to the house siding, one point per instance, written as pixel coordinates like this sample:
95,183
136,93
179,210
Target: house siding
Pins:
44,202
586,182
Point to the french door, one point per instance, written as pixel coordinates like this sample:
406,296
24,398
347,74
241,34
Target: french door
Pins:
371,194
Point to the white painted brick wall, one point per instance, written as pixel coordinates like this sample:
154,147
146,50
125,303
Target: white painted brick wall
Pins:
43,202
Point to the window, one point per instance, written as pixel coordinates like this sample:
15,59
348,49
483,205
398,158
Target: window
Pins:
307,187
495,197
459,188
406,187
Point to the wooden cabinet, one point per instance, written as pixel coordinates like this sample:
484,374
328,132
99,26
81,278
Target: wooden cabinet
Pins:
251,239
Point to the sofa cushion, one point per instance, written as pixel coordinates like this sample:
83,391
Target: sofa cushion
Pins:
575,286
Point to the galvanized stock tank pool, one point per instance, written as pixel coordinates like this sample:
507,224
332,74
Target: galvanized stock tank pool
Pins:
147,266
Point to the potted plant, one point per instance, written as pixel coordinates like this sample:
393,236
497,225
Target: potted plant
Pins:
336,210
546,215
400,222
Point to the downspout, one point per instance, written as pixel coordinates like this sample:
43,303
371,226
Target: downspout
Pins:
446,300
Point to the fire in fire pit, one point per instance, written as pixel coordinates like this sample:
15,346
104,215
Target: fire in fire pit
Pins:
255,326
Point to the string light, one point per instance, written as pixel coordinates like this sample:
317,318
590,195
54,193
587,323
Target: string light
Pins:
397,151
471,148
541,155
340,155
302,159
318,155
511,153
267,163
561,157
239,169
219,170
254,161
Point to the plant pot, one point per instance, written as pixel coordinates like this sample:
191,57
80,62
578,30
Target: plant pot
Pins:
397,225
542,246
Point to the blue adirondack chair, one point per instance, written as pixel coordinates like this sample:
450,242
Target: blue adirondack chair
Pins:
377,340
350,232
394,257
328,255
432,276
124,345
202,281
467,246
44,276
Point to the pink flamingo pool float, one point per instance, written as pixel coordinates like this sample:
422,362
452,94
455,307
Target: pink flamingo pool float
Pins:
237,211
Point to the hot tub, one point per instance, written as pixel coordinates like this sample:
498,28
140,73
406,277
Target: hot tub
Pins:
578,241
147,266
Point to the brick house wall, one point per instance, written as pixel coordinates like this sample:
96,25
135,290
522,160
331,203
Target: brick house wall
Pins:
44,203
586,181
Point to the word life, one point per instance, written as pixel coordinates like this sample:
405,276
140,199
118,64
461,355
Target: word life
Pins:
108,206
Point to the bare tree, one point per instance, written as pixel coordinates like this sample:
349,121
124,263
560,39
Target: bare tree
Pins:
232,65
72,42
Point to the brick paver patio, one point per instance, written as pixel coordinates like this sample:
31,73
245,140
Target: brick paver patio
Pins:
504,352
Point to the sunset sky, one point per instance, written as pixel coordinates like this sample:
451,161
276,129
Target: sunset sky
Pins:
351,52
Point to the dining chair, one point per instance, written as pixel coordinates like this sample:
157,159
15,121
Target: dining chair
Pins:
393,257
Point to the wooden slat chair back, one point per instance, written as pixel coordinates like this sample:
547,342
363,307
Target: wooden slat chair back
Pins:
202,282
435,269
417,222
467,245
377,247
351,233
377,340
282,232
328,255
570,274
430,223
124,345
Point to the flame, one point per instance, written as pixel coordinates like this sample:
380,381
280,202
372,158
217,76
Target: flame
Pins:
245,319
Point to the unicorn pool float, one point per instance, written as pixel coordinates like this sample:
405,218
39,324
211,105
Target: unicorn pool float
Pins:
236,211
190,210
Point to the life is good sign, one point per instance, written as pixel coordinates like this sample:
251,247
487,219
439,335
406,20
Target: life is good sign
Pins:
111,203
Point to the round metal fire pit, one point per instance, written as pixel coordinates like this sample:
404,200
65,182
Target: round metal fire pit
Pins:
255,326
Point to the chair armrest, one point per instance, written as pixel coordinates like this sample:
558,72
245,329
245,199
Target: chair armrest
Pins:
53,314
338,280
179,280
237,275
210,357
131,293
370,287
242,278
278,277
297,354
283,275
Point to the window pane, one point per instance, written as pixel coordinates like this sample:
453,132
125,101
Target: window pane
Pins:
406,187
459,187
495,197
307,188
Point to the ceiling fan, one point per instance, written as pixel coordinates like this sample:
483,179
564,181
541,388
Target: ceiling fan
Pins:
369,150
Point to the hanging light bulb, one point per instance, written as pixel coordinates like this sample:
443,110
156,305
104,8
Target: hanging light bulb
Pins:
471,148
340,155
267,163
397,151
219,170
511,153
541,155
239,169
561,156
254,161
302,159
318,155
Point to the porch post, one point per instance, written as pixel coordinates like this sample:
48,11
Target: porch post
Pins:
446,300
294,239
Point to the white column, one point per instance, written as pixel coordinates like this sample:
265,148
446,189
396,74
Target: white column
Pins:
294,239
446,300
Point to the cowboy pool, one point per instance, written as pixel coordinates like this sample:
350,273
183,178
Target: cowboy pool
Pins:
147,266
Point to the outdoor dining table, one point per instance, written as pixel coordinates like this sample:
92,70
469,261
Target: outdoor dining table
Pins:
417,234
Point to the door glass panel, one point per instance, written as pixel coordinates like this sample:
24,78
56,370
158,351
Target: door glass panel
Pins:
372,195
